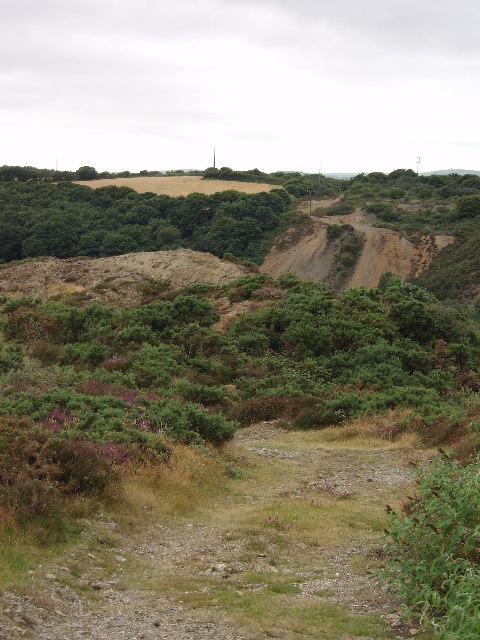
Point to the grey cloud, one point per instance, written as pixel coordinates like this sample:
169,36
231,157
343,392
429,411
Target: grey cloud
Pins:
143,19
435,25
238,68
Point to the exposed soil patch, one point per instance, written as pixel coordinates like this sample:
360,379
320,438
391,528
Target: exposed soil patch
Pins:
443,241
384,250
114,280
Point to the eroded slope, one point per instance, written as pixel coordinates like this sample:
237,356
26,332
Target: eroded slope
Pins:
312,257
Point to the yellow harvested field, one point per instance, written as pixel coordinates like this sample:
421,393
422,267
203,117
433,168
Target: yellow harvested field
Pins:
179,185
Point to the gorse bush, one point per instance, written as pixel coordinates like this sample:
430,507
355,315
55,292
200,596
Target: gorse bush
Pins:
435,549
335,231
343,207
110,385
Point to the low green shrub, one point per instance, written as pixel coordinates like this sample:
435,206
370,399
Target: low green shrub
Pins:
260,409
186,422
152,287
243,288
341,208
384,210
335,231
10,357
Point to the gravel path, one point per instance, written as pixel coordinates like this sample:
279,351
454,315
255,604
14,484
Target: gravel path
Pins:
126,603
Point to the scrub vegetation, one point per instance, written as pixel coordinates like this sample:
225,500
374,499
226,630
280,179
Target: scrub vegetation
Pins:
108,385
435,548
96,400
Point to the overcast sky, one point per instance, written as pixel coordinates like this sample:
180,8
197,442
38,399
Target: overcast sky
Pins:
337,85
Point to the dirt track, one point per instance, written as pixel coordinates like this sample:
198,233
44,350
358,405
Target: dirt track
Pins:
287,551
179,185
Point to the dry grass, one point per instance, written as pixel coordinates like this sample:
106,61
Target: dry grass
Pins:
190,479
179,185
364,432
64,290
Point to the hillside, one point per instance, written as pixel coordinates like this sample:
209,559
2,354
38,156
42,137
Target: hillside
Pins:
313,255
175,186
132,501
446,172
427,212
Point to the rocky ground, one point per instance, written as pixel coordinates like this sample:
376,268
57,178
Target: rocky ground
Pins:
288,548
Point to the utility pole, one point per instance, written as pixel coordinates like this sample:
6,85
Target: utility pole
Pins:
418,163
310,191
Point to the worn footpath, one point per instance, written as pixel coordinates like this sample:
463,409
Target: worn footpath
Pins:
289,547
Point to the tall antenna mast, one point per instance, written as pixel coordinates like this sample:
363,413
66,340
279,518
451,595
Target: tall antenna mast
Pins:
214,157
418,163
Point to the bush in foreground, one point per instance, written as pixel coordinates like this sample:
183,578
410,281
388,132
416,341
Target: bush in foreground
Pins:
39,469
435,549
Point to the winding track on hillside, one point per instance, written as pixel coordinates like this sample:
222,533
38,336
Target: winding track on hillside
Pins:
384,250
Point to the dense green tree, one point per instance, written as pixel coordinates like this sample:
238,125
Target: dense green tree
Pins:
468,206
42,218
87,173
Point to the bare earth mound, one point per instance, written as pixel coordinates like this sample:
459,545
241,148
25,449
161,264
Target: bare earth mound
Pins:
114,280
179,185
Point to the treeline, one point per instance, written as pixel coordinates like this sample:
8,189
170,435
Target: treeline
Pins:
65,220
399,185
31,174
296,183
405,183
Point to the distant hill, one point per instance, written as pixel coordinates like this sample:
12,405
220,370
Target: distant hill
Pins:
446,172
440,172
341,176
